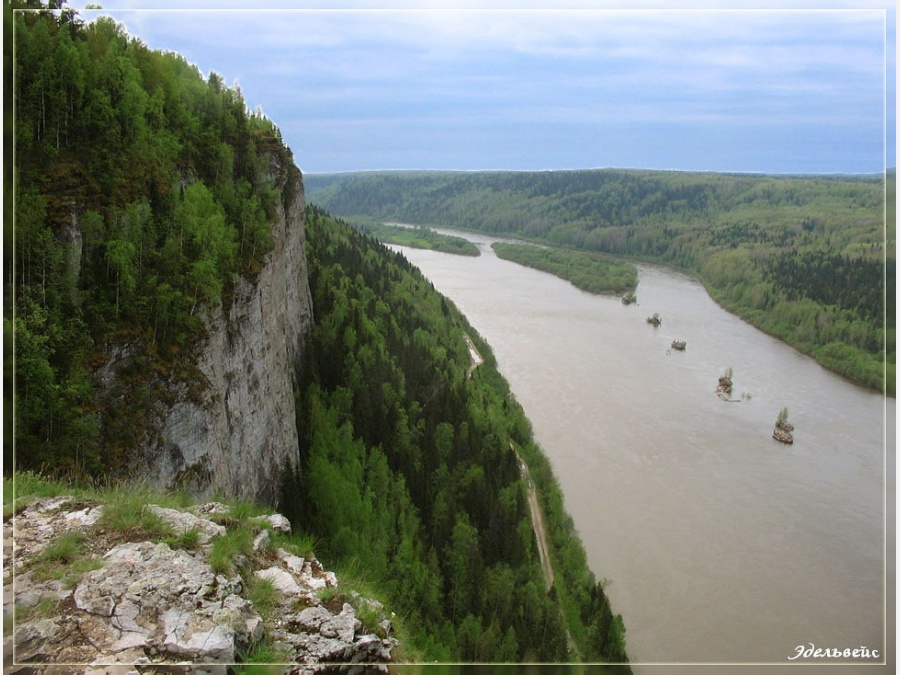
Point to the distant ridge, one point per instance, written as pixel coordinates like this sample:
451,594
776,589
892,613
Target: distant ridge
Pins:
756,240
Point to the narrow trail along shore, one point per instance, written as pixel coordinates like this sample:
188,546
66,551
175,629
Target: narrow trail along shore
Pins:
475,355
537,521
537,514
540,533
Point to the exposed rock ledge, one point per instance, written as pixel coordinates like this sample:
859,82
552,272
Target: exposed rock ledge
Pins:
146,604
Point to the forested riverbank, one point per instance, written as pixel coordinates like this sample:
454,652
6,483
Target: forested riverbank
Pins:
752,239
394,475
590,272
420,237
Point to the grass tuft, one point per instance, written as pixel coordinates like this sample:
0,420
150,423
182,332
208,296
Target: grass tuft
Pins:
63,560
64,549
244,511
298,543
189,540
226,549
126,511
78,569
26,486
263,595
46,608
263,652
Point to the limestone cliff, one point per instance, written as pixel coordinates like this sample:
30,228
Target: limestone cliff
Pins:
234,434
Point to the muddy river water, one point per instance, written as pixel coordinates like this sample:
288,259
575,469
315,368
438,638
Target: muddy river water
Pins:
721,545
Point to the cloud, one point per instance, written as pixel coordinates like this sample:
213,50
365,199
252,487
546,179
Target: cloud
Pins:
475,71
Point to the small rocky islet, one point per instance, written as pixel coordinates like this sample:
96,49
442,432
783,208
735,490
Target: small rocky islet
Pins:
783,429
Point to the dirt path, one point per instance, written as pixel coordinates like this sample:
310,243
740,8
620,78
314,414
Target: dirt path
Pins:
537,514
537,522
540,533
477,360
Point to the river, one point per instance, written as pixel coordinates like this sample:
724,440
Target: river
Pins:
721,545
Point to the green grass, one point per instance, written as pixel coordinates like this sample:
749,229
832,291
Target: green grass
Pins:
125,510
264,651
188,540
46,608
78,569
63,560
244,510
227,548
298,543
26,486
263,595
64,549
370,616
358,588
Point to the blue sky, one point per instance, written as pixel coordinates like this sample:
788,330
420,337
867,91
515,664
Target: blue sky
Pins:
789,87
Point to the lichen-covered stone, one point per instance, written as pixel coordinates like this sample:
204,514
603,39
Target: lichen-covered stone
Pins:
150,604
183,521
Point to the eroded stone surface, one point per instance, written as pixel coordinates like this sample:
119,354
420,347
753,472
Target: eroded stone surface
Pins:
154,596
151,605
182,521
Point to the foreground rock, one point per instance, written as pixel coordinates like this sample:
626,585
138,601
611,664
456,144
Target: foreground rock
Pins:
143,603
164,603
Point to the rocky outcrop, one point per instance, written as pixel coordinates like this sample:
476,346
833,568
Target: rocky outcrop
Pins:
145,603
150,601
232,431
783,430
725,386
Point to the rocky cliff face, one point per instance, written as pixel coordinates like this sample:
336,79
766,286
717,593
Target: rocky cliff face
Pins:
235,433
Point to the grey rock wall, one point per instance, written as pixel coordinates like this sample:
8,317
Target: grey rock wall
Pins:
236,438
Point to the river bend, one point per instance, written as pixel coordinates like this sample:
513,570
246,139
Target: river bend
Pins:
721,544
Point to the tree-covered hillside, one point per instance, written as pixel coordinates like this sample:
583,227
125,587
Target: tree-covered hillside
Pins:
143,194
409,470
140,190
804,258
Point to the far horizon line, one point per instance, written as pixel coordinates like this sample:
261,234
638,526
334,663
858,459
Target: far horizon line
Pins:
814,174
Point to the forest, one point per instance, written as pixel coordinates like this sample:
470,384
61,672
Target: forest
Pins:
160,176
592,272
408,476
808,259
420,237
408,469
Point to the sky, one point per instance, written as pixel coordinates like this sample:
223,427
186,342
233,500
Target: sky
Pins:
785,87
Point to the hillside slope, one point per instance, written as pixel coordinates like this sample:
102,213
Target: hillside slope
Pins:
157,292
409,469
164,271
